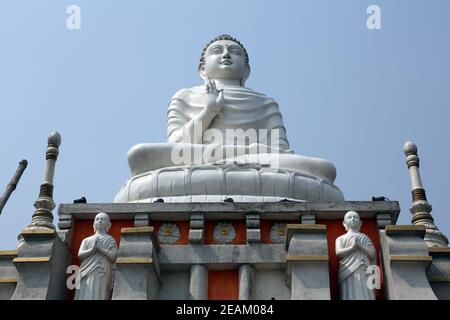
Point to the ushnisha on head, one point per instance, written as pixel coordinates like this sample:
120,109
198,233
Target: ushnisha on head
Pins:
224,58
102,223
352,221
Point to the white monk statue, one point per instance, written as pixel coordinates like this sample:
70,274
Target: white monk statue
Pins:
98,254
356,253
225,140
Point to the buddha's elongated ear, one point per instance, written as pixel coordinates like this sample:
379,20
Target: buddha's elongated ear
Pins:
246,75
202,72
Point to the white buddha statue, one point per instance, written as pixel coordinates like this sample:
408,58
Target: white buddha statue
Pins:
356,253
98,254
218,130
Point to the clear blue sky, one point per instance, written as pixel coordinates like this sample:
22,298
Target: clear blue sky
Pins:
347,94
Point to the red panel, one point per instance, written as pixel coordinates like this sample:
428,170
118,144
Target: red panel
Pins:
239,225
336,229
223,285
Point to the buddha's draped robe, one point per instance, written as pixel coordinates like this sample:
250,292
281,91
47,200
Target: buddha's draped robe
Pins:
353,269
96,270
243,109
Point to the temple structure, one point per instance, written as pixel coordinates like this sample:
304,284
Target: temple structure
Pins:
225,209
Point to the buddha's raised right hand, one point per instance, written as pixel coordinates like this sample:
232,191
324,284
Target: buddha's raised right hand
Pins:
214,97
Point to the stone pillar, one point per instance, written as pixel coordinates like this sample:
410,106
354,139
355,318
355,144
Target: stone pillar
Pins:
198,286
405,263
43,257
421,208
42,262
8,274
307,262
246,279
138,271
439,272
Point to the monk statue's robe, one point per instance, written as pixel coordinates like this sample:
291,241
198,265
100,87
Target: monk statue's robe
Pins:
353,268
96,270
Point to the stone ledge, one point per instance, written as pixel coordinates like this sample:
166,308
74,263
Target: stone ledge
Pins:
134,261
233,210
8,280
306,227
256,254
403,230
303,228
8,253
306,258
31,260
439,279
37,232
137,230
411,258
439,252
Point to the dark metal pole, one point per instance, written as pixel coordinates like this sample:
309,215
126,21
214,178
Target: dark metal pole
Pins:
12,184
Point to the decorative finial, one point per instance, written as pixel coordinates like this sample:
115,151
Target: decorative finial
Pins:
410,148
43,217
54,138
421,208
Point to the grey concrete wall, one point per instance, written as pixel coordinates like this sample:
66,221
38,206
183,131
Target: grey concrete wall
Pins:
405,261
307,262
270,284
439,272
42,262
138,270
175,285
8,274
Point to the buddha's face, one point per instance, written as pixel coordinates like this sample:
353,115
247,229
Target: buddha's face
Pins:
352,220
225,60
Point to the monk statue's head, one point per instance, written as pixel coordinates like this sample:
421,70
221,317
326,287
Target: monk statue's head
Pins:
352,221
224,58
102,223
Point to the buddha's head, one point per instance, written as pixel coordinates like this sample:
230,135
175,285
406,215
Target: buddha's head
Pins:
352,221
102,222
224,58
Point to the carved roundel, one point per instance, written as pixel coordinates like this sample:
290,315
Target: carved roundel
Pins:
168,233
224,232
278,233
